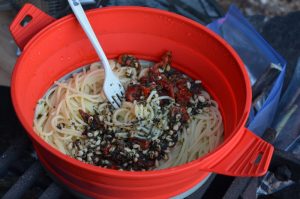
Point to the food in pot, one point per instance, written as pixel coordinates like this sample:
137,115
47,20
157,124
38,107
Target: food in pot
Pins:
166,119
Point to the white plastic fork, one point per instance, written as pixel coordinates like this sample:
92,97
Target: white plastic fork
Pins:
112,87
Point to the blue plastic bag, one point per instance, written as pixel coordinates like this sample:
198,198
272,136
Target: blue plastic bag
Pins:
257,55
288,131
287,119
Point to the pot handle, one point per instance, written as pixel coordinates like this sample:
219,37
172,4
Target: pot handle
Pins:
250,157
29,21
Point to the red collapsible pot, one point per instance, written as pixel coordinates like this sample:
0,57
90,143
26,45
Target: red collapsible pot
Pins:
53,48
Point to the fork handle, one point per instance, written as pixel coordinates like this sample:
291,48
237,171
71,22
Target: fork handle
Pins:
85,24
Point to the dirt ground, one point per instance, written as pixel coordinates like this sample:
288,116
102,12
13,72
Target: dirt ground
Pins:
263,7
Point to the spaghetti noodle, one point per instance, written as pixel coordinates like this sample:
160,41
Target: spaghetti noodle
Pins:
166,120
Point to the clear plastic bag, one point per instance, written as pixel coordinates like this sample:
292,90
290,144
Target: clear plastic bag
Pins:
287,122
249,44
258,56
287,126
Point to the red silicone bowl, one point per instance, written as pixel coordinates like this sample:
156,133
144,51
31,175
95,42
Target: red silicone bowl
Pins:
52,49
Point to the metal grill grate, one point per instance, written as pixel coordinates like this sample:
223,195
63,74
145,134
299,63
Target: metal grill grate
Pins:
22,176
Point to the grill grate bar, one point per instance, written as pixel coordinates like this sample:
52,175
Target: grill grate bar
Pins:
52,192
11,155
24,182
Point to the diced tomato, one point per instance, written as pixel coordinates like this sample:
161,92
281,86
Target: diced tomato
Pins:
122,59
166,87
185,115
180,110
183,96
144,80
129,60
165,60
156,67
146,91
85,116
133,92
105,151
171,91
181,84
152,86
144,144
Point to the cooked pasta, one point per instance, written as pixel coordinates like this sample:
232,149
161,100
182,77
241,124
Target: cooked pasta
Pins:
155,128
